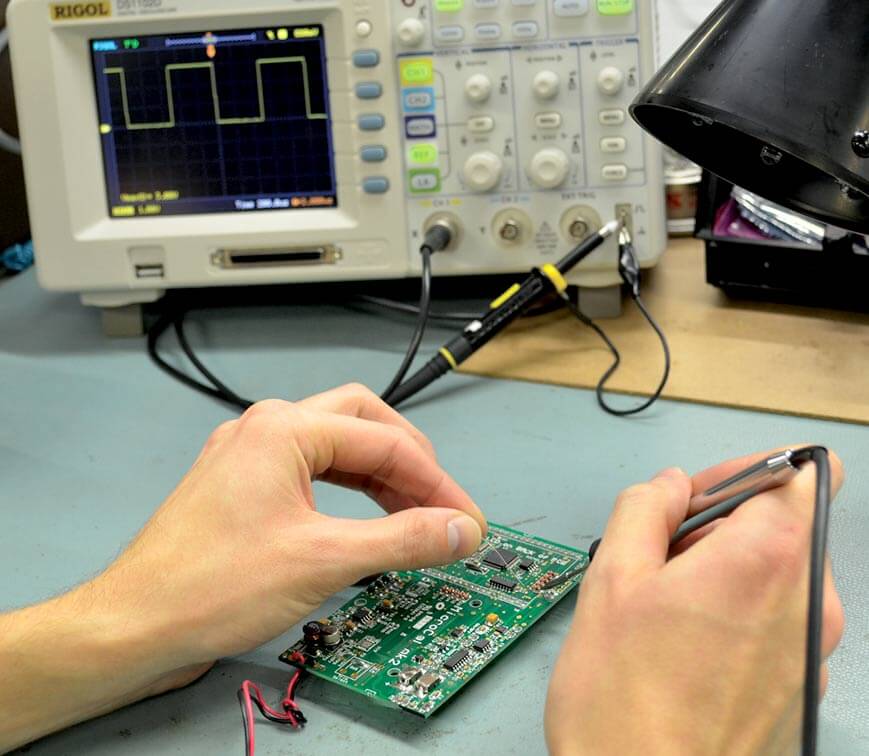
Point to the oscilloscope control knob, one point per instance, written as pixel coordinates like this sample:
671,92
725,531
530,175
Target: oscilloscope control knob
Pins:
611,80
482,171
546,85
548,168
411,32
478,88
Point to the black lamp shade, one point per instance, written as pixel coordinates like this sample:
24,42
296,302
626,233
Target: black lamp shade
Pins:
773,95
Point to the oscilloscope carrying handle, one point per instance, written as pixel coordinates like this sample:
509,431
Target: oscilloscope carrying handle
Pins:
502,312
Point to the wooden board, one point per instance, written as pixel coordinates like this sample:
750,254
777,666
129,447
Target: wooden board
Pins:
761,356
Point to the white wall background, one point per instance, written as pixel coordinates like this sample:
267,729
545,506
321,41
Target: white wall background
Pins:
676,20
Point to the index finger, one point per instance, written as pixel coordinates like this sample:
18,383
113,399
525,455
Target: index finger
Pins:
359,401
388,454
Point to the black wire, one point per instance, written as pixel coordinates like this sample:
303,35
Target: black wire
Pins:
154,334
617,359
247,726
411,309
421,323
227,394
820,530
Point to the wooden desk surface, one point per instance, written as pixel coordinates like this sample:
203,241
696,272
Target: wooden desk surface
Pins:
772,357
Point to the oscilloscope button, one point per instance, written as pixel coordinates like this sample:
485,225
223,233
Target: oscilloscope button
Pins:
525,29
375,185
449,34
611,117
366,58
486,3
570,8
368,90
373,153
614,172
550,120
487,31
481,124
613,144
420,126
371,122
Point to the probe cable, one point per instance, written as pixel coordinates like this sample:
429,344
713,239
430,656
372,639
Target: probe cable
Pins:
516,301
817,561
629,270
437,238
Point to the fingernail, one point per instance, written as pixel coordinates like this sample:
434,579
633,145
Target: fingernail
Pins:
671,472
463,535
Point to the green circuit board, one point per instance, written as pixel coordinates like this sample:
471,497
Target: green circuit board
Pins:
414,639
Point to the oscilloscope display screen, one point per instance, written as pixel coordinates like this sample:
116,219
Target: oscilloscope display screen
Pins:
208,122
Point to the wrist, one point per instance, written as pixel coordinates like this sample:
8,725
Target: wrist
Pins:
79,655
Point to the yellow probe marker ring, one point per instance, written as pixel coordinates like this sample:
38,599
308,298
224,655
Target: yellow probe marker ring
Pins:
555,277
445,353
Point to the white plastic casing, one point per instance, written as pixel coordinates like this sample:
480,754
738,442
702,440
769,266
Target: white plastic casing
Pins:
81,248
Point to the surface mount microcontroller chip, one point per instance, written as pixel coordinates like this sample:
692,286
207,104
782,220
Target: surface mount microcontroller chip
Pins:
499,559
442,626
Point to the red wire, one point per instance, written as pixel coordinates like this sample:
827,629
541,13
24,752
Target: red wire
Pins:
249,693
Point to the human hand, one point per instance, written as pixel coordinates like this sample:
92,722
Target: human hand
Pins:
238,553
703,652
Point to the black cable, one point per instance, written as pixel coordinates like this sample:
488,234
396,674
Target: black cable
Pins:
154,334
421,323
450,317
227,394
617,359
820,529
412,309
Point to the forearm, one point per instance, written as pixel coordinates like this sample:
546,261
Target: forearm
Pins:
70,659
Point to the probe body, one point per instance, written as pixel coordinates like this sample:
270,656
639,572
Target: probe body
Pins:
516,301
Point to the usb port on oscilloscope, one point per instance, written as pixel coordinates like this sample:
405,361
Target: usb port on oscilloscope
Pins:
149,270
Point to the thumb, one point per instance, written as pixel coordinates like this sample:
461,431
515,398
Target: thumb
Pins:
407,540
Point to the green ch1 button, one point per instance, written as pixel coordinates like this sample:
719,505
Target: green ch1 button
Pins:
449,6
615,7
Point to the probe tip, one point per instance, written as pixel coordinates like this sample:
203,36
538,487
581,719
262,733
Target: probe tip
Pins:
610,228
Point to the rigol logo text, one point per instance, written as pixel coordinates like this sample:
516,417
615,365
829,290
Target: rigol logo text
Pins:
75,11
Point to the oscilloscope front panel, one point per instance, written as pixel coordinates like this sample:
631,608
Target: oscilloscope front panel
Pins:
175,143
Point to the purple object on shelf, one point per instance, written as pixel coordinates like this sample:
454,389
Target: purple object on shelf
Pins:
730,224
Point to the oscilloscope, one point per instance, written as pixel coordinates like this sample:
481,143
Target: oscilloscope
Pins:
185,143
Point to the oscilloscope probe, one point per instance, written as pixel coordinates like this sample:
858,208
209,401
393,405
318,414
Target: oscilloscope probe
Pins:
517,300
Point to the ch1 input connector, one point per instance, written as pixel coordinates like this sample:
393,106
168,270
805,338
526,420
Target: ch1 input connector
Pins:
440,235
442,232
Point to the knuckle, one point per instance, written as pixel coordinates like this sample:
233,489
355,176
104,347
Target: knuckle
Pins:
397,441
265,410
359,391
414,538
635,495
